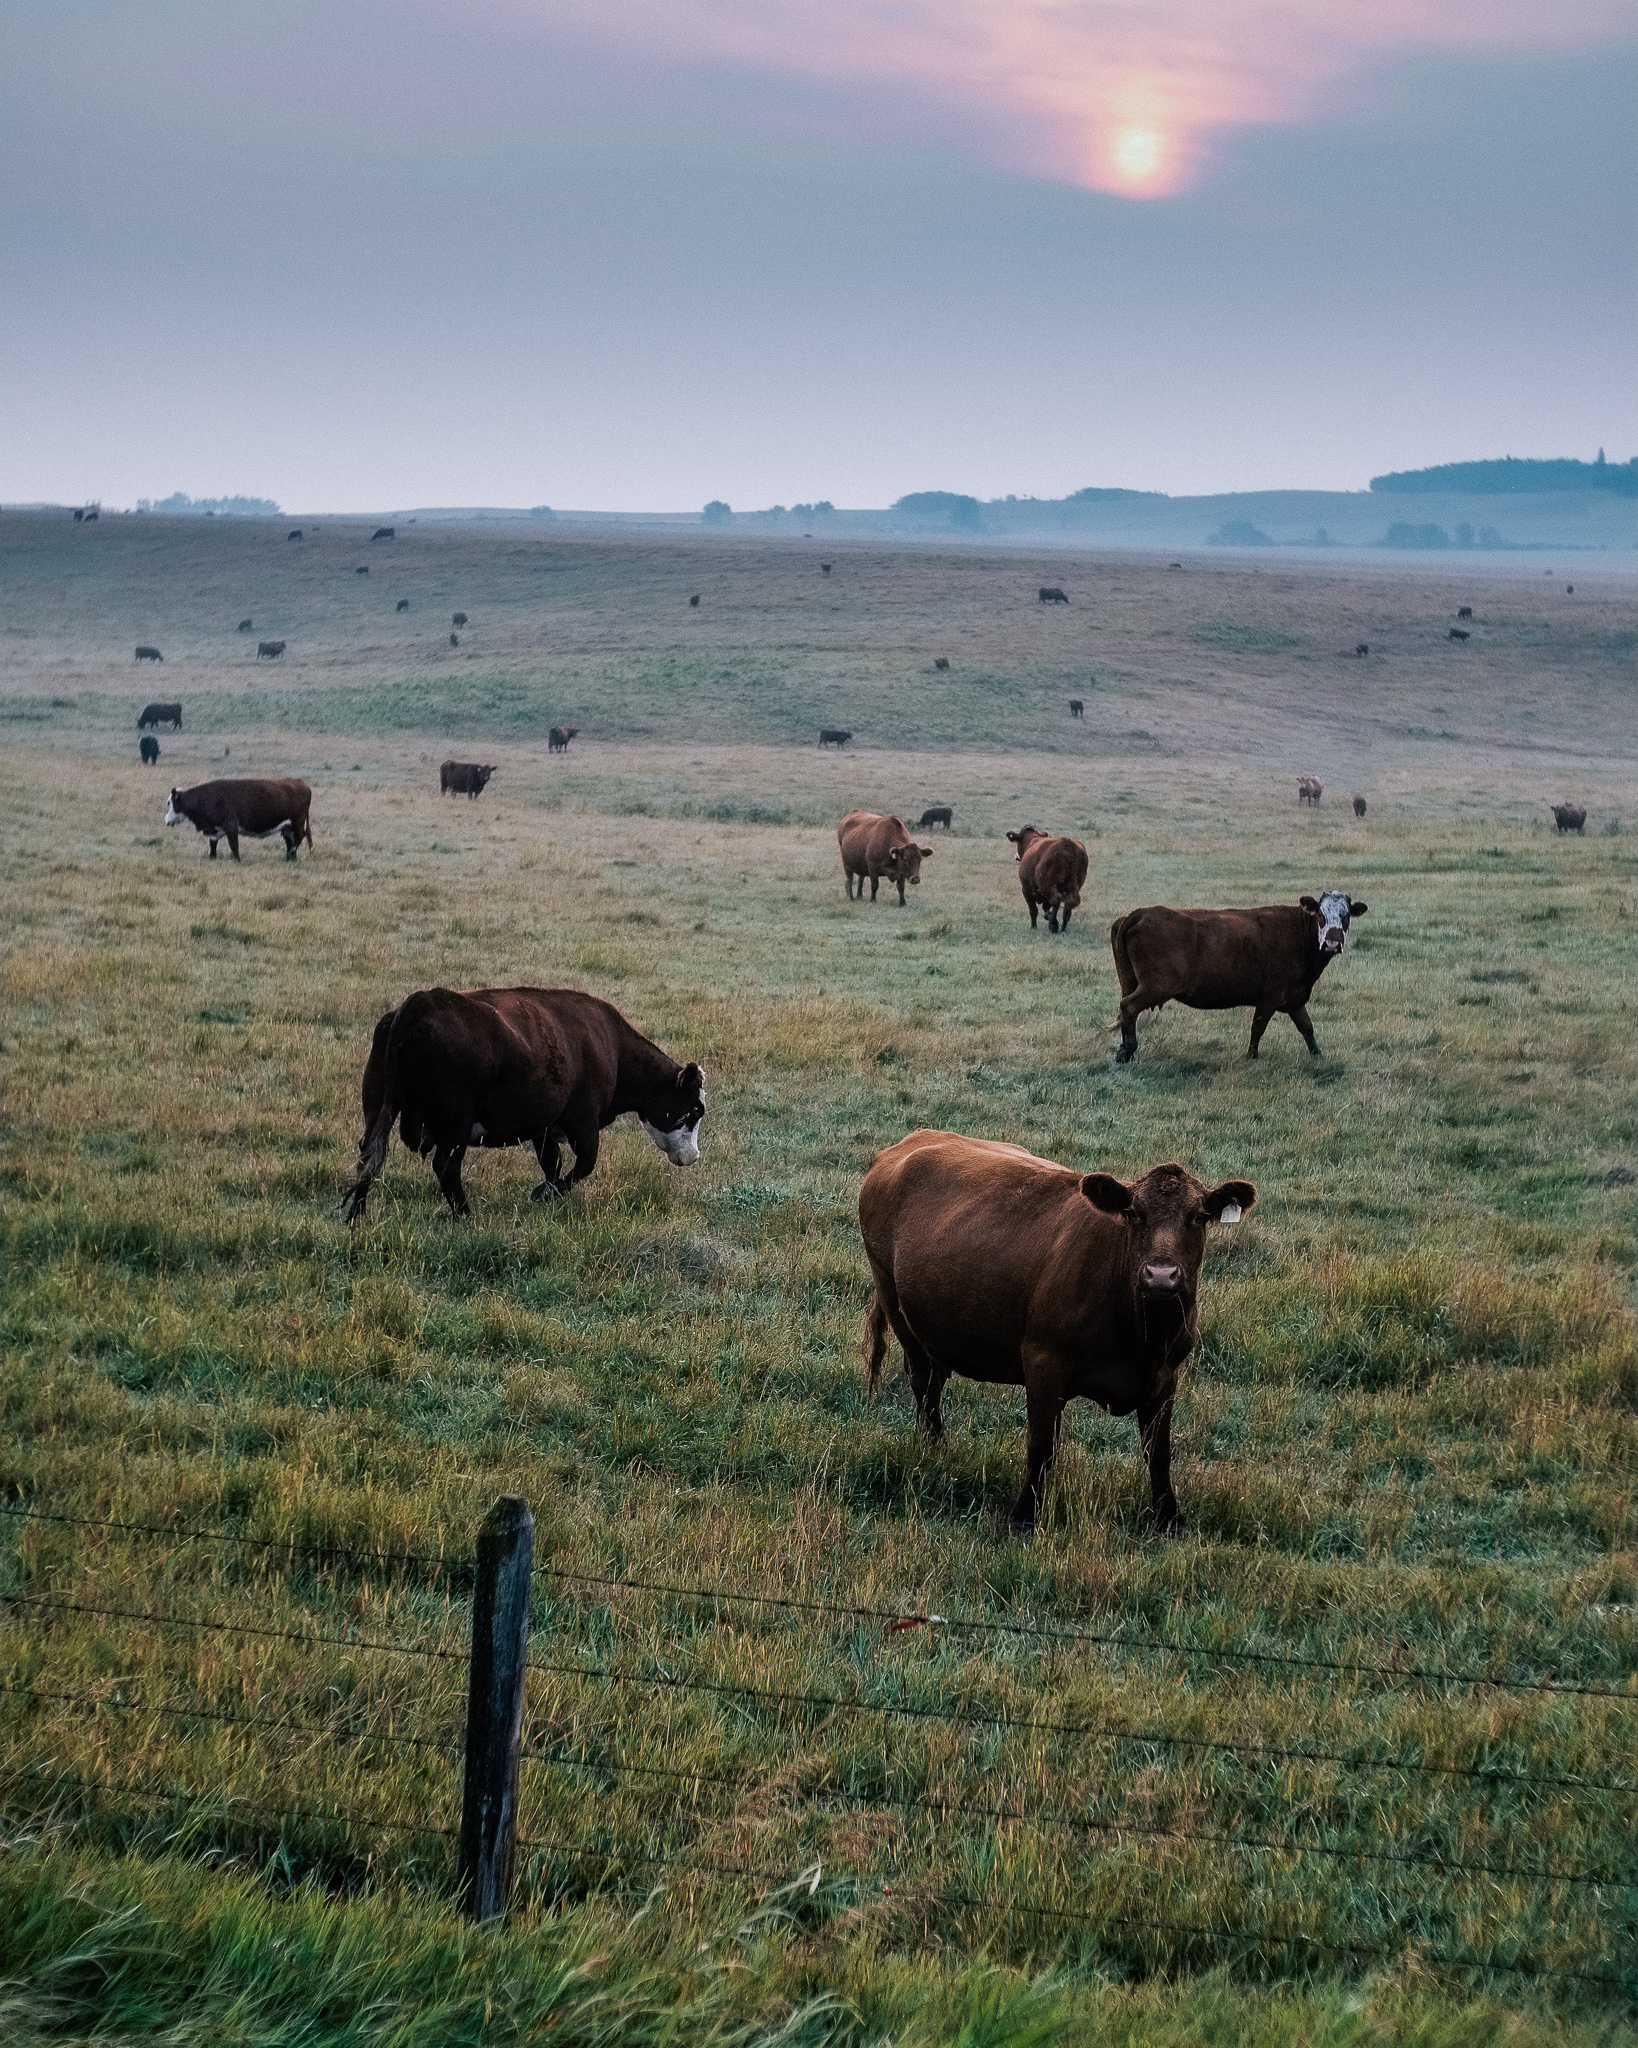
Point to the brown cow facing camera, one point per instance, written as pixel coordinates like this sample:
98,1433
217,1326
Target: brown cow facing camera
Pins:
1569,817
991,1264
1050,873
463,778
876,846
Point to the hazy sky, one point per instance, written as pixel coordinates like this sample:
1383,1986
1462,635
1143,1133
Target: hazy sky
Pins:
364,254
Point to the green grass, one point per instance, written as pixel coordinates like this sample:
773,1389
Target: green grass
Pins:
1407,1438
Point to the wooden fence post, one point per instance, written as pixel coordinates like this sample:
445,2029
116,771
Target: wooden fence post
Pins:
494,1710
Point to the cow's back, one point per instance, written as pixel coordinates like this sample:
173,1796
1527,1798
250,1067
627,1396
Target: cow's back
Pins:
1211,959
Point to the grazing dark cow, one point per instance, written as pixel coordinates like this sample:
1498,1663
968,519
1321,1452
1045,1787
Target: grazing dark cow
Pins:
1049,593
255,808
1457,633
941,661
161,714
269,650
833,736
1309,789
462,778
824,568
454,639
148,748
458,619
79,515
1569,817
991,1264
385,533
875,846
544,1067
1267,959
1077,707
1464,611
936,814
403,604
1050,873
246,626
1363,649
1174,565
294,533
92,515
1569,588
149,654
1359,805
362,569
557,740
694,602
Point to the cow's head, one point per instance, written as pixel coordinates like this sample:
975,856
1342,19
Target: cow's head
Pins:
1166,1214
1022,837
172,815
1334,910
672,1116
484,775
904,862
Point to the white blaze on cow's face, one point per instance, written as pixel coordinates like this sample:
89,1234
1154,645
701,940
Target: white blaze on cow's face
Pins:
172,815
1334,913
681,1144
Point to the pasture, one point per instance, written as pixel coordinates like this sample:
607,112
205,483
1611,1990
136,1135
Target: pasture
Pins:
1251,1784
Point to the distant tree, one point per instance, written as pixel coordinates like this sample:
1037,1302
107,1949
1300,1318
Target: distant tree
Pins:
1239,533
964,514
717,511
1402,534
541,512
1513,474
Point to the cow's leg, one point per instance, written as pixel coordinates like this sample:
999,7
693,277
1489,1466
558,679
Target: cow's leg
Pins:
549,1152
213,846
1259,1024
1052,917
1299,1017
926,1379
233,844
579,1126
875,884
1063,922
901,891
1045,1412
1131,1008
1034,909
1154,1418
446,1164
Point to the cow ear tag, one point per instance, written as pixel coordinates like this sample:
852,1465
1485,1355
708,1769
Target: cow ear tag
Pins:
1231,1213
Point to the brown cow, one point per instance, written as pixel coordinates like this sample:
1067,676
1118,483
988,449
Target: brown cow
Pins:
269,650
875,846
557,740
998,1266
1050,873
1309,789
254,809
1268,959
1077,707
161,714
543,1067
1569,817
1359,805
462,778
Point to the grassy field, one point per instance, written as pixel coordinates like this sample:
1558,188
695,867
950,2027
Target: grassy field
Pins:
1242,1786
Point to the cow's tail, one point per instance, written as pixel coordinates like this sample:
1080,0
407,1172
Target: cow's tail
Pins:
875,1339
1125,974
307,828
372,1154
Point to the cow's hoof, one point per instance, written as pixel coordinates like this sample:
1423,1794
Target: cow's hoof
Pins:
1024,1531
547,1191
1125,1056
1169,1522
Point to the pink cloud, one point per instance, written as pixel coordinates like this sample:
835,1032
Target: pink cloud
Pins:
1124,96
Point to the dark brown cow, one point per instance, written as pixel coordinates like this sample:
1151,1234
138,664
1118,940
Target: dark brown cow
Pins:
936,814
694,602
1050,873
1267,959
255,808
148,748
402,605
454,639
161,714
1049,593
458,619
294,533
385,533
942,662
994,1265
825,568
543,1067
1359,805
149,654
1464,611
1363,649
1077,707
269,650
875,846
1309,789
1460,633
246,626
361,570
462,778
1569,817
833,736
557,740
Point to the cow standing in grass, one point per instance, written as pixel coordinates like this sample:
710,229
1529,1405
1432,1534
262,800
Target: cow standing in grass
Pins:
1050,873
875,846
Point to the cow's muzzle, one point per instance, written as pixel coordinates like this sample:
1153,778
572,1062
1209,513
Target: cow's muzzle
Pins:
1160,1280
1332,939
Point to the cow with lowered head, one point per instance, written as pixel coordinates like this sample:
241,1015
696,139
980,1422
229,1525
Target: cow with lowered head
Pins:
1266,960
254,807
876,846
1050,873
990,1264
543,1067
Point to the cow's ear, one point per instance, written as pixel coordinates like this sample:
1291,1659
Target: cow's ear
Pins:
1310,903
1356,909
926,853
692,1076
1230,1202
1013,836
1104,1192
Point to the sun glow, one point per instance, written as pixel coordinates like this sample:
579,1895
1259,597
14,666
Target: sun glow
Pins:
1139,157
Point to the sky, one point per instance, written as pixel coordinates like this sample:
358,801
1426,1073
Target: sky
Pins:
636,254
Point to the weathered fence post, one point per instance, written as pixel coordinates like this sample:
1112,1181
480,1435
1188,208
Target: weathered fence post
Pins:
494,1710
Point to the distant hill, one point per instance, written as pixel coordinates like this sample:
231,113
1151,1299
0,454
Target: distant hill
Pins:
1513,476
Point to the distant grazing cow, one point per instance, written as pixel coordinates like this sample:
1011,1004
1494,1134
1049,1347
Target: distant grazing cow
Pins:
269,650
403,604
544,1067
454,640
824,568
991,1264
92,515
79,515
941,661
385,533
149,654
458,619
1464,611
161,714
1359,805
462,778
1077,707
1457,633
876,846
1569,817
1050,873
1569,588
557,740
1309,789
1174,565
148,748
694,602
833,736
1267,959
253,809
936,814
363,569
1363,649
294,533
1049,593
246,626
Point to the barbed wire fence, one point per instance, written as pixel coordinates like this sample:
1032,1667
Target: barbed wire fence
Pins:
493,1754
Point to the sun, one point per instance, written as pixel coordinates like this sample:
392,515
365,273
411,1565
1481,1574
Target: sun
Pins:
1138,155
